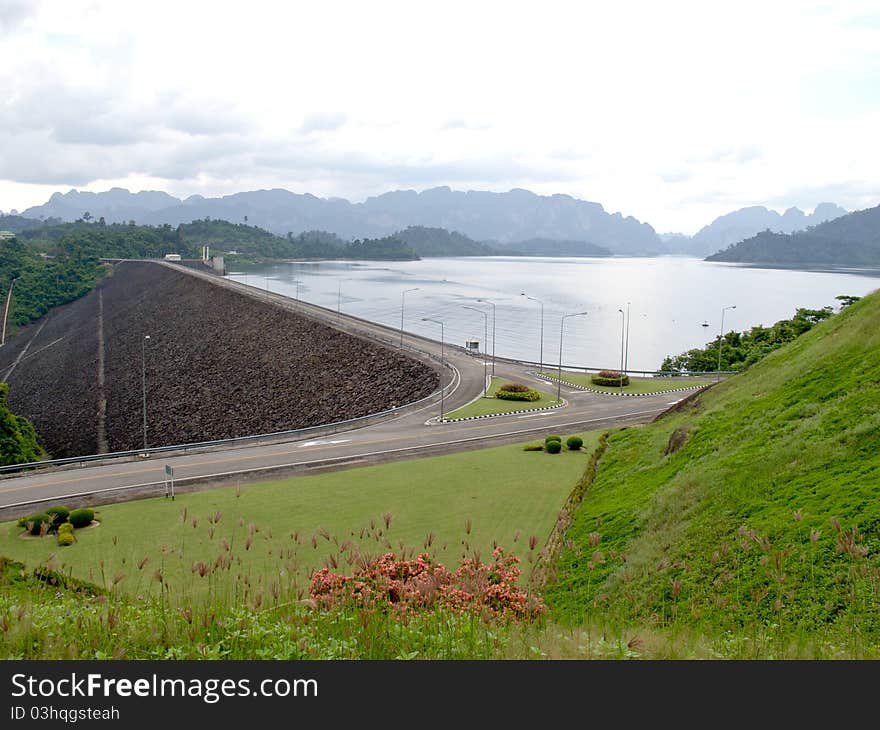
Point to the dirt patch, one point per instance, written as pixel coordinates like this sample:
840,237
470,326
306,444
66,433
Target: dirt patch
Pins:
218,365
677,439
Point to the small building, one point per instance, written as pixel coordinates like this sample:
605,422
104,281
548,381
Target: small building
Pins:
172,257
6,235
472,345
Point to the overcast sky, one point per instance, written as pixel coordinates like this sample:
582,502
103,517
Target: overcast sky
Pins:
672,112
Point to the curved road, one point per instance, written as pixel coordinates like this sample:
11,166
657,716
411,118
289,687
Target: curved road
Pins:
411,433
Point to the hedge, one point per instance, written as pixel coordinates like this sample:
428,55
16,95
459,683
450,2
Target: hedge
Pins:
66,538
59,514
552,437
609,378
82,517
533,447
553,447
529,395
574,443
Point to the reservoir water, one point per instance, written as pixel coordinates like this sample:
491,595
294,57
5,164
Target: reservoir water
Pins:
675,303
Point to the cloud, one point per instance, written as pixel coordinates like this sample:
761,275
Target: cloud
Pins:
13,14
323,122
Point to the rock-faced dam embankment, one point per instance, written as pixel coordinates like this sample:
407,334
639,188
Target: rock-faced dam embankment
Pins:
218,364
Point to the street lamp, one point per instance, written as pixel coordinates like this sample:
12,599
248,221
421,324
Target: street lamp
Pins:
339,301
485,338
402,295
559,372
622,342
486,301
144,385
442,361
541,356
721,339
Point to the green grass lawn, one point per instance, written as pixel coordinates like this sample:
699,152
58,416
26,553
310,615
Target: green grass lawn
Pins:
636,385
267,531
489,404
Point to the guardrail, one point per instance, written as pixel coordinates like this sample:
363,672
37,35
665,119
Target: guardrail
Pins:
290,435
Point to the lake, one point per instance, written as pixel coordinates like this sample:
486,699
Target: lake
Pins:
675,303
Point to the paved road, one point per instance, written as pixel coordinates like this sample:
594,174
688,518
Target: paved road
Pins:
409,434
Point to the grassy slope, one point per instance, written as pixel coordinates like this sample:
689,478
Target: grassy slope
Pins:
709,533
490,404
502,491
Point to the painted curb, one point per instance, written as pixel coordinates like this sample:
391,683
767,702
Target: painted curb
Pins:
498,415
618,395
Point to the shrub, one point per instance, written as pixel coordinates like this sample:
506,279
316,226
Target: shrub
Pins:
81,517
527,395
609,378
552,437
59,514
66,538
514,388
533,447
574,443
34,524
553,447
65,528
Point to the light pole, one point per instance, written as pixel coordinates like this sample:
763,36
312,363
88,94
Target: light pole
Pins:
144,385
541,355
339,301
559,372
626,356
622,342
402,296
486,301
442,360
485,338
721,339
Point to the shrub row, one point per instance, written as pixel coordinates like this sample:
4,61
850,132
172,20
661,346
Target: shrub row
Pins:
528,395
514,388
610,378
58,519
553,444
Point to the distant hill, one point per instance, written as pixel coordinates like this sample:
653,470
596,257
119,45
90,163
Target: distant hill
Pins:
427,241
552,247
851,240
481,215
17,223
745,223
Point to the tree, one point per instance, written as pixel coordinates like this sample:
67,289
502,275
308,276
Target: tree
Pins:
18,438
87,216
846,299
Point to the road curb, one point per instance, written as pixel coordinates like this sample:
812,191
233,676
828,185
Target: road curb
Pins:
618,395
506,413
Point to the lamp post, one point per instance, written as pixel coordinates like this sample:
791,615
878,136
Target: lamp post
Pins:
721,339
485,338
559,372
402,296
622,342
339,301
144,385
486,301
442,360
626,356
541,355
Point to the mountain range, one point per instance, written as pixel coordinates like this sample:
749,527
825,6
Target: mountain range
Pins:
745,223
516,215
853,240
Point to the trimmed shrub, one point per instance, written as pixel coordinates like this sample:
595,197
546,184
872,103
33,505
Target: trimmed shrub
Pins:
65,528
533,447
553,447
81,517
34,524
552,437
527,395
66,538
59,514
514,388
609,378
574,443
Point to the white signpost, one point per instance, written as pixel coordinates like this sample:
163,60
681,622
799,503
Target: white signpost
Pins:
169,480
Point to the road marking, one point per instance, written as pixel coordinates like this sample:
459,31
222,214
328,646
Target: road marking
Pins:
672,403
537,415
321,443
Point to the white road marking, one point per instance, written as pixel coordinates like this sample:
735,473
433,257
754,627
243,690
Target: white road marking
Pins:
536,415
672,403
321,443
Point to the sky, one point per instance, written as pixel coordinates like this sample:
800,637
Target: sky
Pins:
672,112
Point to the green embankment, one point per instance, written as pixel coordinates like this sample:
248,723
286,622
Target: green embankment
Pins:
490,405
466,501
766,518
